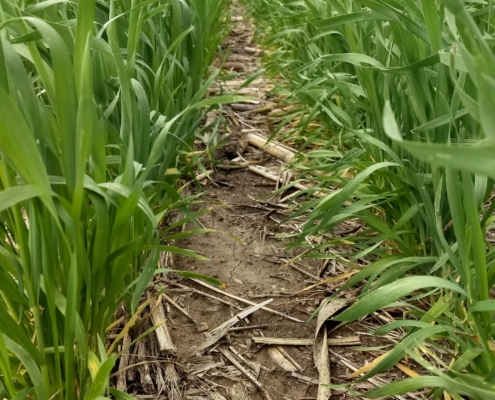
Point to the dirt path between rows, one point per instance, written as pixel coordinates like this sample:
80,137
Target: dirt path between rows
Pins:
245,254
253,270
243,206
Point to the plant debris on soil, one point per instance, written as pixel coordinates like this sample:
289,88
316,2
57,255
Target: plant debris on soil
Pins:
252,339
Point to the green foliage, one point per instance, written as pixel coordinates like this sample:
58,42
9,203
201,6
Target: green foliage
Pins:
97,101
404,92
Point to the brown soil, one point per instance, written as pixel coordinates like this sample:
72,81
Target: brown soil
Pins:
255,271
252,271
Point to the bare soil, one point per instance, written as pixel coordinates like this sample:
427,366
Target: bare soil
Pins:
257,271
252,271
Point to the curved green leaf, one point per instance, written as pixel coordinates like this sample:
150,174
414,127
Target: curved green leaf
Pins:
388,294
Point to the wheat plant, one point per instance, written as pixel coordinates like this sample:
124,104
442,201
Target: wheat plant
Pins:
99,102
403,92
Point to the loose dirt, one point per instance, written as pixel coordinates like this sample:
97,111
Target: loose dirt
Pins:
253,271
